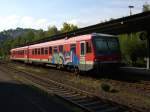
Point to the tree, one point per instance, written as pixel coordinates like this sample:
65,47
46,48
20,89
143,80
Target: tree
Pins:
30,36
133,49
52,30
16,42
6,47
146,7
68,27
39,34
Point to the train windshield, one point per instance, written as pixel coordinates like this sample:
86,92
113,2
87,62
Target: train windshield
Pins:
106,45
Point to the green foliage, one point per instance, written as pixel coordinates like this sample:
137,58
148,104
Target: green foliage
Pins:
28,35
68,27
52,30
40,34
146,7
133,49
105,87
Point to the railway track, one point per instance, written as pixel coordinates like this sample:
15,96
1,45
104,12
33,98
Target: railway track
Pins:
82,99
142,87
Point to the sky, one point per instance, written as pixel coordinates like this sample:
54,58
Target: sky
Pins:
39,14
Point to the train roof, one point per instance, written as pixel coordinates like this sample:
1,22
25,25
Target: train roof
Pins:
19,48
102,34
62,41
65,41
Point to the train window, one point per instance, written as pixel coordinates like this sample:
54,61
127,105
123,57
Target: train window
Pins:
73,48
55,50
60,48
39,51
42,51
50,50
82,50
113,44
46,50
101,46
35,51
32,51
88,47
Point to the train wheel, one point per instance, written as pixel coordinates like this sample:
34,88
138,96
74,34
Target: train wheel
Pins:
76,71
60,64
58,67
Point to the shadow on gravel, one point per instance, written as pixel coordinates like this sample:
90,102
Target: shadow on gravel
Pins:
23,98
120,75
131,77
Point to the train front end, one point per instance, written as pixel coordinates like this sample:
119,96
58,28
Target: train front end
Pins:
107,53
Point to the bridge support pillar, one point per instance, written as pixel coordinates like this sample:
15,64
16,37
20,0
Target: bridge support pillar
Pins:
148,50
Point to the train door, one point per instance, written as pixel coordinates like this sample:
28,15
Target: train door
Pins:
25,54
28,55
82,56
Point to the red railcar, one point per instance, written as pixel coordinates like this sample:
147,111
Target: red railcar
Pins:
85,52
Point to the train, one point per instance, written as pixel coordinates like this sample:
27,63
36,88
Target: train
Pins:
90,52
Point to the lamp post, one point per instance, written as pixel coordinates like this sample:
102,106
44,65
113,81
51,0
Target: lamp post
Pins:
131,7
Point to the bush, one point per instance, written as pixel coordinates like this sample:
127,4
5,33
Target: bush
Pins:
105,87
133,49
